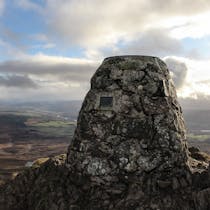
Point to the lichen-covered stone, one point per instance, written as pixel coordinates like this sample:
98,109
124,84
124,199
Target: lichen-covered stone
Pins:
128,152
144,116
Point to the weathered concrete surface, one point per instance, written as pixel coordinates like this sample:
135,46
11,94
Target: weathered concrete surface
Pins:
129,150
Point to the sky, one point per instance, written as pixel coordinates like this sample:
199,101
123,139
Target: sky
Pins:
49,49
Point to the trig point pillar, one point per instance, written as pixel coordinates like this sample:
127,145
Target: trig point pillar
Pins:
130,136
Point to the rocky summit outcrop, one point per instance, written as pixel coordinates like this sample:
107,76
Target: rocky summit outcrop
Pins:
129,150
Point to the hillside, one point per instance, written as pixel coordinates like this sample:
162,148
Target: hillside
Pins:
27,136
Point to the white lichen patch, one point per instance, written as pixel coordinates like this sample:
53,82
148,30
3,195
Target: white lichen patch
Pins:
97,167
147,164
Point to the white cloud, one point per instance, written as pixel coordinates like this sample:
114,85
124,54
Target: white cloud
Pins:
40,37
197,79
154,42
178,70
28,5
44,46
195,27
104,28
10,50
95,24
2,4
48,46
45,77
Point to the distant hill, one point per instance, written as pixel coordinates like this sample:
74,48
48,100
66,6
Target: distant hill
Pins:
196,119
65,109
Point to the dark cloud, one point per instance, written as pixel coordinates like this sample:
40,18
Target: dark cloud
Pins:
45,78
78,72
154,42
179,71
18,81
201,102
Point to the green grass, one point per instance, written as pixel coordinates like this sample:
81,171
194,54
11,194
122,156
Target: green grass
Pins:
59,132
55,124
55,128
198,137
43,126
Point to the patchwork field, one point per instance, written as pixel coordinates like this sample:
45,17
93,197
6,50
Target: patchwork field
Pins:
26,137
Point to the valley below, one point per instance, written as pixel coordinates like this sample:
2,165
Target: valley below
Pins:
33,131
25,137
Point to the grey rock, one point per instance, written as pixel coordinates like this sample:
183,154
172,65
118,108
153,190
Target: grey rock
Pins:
163,183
